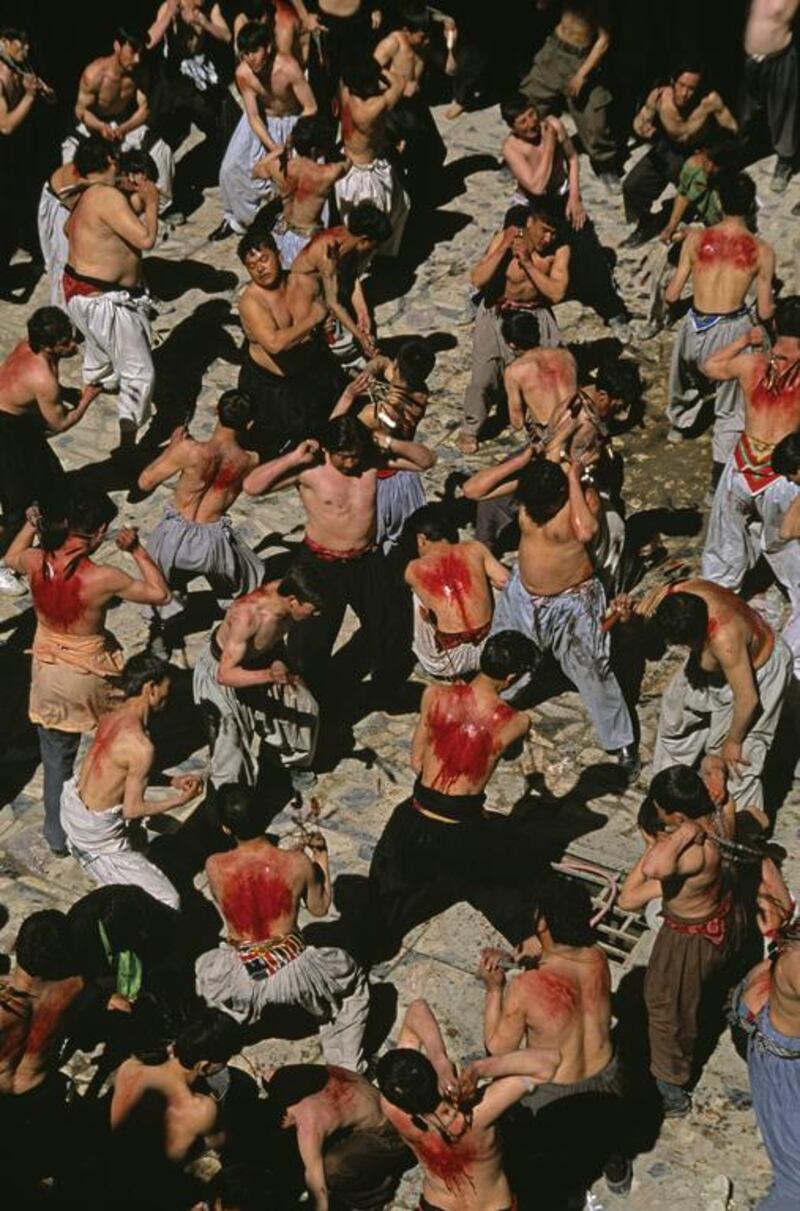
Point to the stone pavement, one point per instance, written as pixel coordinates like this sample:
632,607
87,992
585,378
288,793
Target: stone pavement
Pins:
579,806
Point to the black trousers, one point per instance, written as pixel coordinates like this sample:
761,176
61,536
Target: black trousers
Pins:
649,178
422,866
771,92
295,407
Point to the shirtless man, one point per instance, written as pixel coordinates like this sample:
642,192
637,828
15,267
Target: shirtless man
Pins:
347,29
723,262
438,847
771,81
750,488
768,1008
265,960
676,118
248,692
201,1051
103,287
702,935
110,790
336,479
450,1123
195,536
74,656
306,181
274,94
543,160
19,88
728,697
367,96
562,1000
287,369
35,1001
554,594
348,1148
521,270
568,69
59,196
330,268
453,603
112,103
32,404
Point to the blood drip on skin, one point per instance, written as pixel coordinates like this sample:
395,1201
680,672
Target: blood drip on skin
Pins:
463,740
253,898
446,1161
301,189
347,123
48,1012
724,612
786,396
449,578
556,995
228,475
740,251
339,1089
107,731
58,597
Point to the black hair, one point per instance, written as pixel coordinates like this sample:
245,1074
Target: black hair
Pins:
252,36
786,455
682,618
293,1082
364,77
675,789
130,37
212,1038
13,33
367,221
44,946
686,66
408,1080
737,193
314,135
415,361
723,148
542,490
236,409
255,238
513,106
620,379
787,316
566,907
434,522
516,216
140,670
507,653
303,582
93,155
521,328
345,434
48,326
241,811
240,1188
85,514
416,18
135,162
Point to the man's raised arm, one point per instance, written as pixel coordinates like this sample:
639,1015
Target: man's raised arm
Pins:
282,472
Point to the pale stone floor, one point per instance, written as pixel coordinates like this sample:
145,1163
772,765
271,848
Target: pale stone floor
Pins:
199,336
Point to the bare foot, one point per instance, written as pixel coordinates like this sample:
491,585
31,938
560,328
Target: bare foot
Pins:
454,111
467,444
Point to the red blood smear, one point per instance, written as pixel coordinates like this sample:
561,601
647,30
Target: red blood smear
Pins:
556,995
227,475
741,251
463,740
786,398
301,189
253,898
58,597
450,578
339,1089
347,123
107,731
47,1013
448,1162
713,628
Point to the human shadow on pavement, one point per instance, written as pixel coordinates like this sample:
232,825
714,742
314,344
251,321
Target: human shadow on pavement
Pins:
168,279
20,749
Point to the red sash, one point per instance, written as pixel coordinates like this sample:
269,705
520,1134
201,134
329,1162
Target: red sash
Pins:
756,469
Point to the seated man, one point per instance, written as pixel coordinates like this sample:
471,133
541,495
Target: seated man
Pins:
450,1123
195,536
350,1153
451,583
265,960
562,999
249,695
112,103
97,806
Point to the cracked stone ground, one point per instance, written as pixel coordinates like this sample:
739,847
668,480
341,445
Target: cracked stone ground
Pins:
579,806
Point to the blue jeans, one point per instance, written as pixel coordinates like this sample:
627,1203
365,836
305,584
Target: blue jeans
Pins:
59,750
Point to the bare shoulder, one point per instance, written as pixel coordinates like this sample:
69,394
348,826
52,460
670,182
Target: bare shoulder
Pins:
244,76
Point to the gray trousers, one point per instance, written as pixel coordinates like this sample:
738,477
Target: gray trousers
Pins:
568,625
490,356
696,721
545,86
689,389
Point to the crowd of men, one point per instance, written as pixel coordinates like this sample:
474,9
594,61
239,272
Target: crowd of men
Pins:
191,947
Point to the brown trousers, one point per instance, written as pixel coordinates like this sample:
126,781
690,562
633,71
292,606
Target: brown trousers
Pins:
684,987
545,87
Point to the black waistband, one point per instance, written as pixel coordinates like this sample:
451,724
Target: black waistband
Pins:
213,643
455,807
99,284
721,315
